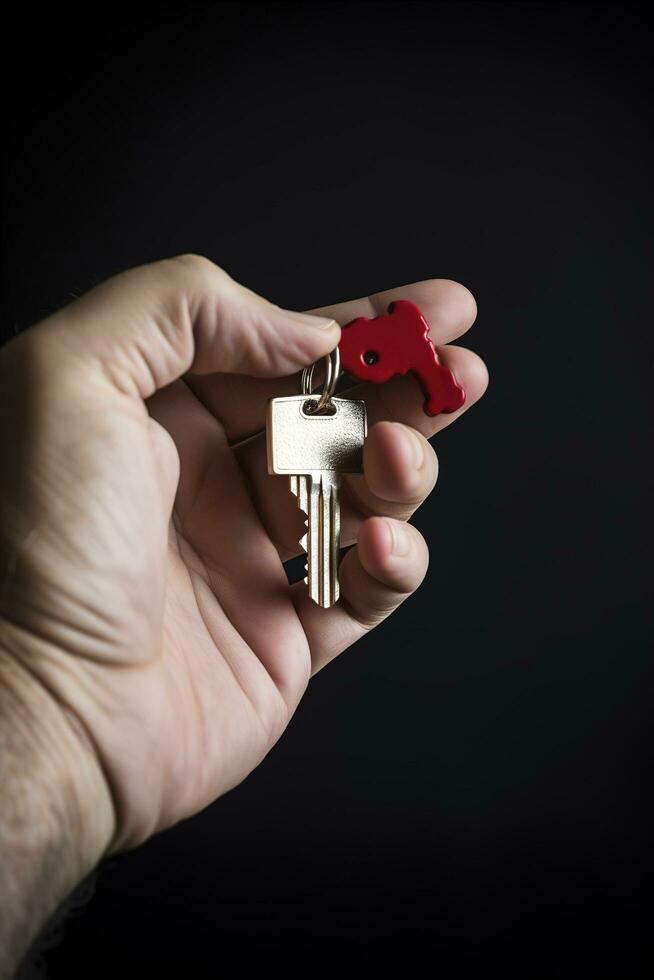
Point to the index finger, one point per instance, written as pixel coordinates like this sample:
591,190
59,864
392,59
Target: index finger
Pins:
239,402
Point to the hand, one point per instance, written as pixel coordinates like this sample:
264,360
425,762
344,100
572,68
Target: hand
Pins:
142,539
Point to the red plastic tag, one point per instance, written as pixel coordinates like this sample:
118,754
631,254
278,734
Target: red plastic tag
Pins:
395,343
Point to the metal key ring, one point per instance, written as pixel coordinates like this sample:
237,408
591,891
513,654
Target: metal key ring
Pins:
333,371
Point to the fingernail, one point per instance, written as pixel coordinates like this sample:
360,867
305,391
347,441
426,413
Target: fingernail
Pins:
414,447
309,320
400,539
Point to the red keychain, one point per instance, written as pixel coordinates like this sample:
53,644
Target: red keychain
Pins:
376,349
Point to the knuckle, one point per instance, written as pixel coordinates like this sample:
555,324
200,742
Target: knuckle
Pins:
370,615
193,260
199,267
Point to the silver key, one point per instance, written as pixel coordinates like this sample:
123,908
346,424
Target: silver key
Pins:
314,450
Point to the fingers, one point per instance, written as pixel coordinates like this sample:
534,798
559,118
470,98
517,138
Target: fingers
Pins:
387,565
390,485
400,470
145,327
240,404
450,306
402,400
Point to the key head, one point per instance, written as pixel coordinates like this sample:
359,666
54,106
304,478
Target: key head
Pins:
376,349
306,444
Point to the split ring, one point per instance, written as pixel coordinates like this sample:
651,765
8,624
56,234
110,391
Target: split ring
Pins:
333,371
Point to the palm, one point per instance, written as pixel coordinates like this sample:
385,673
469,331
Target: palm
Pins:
194,693
216,693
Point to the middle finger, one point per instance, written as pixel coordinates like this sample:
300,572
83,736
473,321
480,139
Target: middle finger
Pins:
400,469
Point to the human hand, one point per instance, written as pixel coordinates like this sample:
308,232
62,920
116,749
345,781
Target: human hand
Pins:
144,607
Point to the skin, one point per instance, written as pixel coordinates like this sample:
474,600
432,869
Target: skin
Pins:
151,650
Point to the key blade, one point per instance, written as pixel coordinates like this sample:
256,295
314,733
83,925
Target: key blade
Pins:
329,519
318,498
299,486
323,539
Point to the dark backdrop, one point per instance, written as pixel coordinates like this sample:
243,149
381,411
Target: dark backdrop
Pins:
471,781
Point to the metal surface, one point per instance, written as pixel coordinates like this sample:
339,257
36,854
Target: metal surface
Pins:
314,450
333,371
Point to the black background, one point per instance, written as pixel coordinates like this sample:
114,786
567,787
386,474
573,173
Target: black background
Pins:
470,782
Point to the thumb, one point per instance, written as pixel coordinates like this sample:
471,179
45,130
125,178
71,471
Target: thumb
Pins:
149,325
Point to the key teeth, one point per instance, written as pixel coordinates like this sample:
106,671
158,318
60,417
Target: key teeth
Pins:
321,495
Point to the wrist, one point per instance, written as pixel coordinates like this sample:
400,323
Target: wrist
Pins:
56,812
